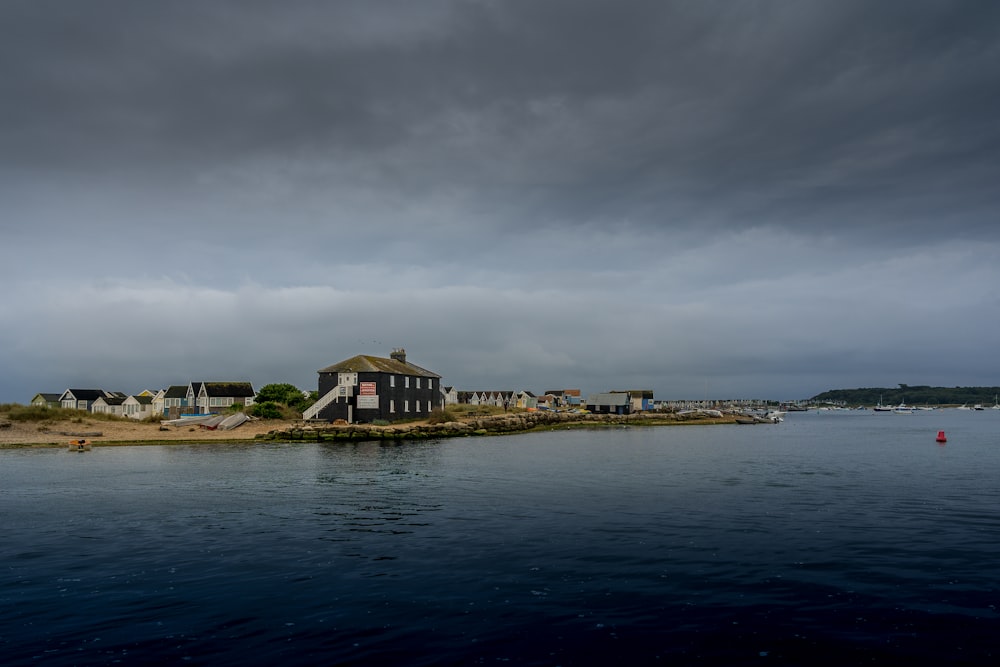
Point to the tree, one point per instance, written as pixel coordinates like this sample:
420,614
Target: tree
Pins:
284,393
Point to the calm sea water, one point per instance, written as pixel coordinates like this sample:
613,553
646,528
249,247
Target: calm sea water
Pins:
841,537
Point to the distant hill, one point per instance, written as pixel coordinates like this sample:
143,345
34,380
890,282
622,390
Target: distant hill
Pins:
912,395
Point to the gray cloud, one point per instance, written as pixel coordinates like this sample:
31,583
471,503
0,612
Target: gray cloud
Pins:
760,198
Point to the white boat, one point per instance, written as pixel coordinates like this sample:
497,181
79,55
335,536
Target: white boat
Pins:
978,406
902,409
232,421
882,408
209,421
996,406
773,416
963,406
701,413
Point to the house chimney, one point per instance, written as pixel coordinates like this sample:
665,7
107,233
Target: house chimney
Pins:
399,354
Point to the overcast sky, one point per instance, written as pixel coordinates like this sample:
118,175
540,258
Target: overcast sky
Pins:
706,199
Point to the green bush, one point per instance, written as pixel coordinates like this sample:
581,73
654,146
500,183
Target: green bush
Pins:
265,410
287,394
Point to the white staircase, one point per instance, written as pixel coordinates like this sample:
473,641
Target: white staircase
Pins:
328,398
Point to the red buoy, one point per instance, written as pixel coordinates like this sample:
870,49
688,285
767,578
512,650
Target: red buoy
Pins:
941,437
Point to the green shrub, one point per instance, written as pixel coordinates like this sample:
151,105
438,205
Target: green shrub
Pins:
265,410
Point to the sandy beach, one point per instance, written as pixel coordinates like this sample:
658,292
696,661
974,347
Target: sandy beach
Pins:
123,432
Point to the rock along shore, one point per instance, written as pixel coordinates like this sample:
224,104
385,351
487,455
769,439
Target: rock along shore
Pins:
474,426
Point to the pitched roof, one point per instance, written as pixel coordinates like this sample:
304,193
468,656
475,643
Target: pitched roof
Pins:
364,363
111,400
85,394
227,389
176,391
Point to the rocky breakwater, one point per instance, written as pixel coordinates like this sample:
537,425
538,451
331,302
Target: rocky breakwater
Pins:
472,426
492,425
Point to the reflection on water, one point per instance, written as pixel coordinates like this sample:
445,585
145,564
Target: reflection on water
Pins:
850,537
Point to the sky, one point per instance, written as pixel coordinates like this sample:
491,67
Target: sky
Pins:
758,199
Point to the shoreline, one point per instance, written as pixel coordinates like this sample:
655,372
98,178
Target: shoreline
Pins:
26,435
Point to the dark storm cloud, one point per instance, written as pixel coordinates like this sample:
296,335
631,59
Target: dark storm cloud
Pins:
665,113
732,186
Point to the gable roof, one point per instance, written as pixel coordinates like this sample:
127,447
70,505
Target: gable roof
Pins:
51,398
84,394
228,389
176,391
111,400
364,363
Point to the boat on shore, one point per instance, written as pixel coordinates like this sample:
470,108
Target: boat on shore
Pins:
209,421
232,421
79,445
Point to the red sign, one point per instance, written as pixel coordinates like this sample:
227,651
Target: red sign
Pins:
367,389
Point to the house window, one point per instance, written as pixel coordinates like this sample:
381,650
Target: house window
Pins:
392,380
406,382
418,383
392,405
429,408
406,405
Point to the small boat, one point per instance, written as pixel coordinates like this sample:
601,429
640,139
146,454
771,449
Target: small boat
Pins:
232,421
978,406
209,421
902,409
746,420
79,445
882,408
963,406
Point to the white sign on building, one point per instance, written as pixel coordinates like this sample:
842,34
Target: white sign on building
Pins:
367,402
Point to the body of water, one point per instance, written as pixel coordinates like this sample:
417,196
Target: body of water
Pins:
839,537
